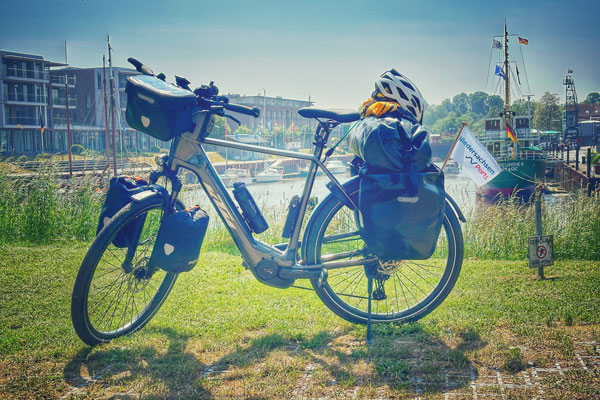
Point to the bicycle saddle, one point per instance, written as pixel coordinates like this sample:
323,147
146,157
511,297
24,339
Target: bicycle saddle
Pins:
336,115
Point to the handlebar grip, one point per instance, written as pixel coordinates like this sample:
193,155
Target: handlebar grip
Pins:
140,67
254,111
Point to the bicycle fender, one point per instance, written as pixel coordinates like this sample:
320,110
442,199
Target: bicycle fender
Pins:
152,190
454,206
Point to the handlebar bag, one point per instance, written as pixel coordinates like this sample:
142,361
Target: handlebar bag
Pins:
158,108
120,190
401,213
391,144
179,240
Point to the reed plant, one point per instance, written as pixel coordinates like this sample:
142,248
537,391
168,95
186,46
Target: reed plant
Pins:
42,208
501,231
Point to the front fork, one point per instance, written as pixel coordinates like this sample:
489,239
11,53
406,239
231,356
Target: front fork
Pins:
168,208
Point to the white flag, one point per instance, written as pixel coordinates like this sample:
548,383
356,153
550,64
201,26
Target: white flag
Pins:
474,159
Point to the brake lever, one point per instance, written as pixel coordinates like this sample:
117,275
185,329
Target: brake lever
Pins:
232,118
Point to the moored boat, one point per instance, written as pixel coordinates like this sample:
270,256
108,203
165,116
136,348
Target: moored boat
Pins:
269,175
232,175
336,167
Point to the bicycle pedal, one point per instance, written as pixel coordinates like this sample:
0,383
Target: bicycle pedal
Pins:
323,277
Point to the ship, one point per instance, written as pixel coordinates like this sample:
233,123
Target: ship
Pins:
523,163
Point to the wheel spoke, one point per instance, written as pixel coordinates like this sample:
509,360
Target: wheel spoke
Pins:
409,283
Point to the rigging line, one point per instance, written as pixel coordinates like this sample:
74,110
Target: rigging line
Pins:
524,68
516,86
489,65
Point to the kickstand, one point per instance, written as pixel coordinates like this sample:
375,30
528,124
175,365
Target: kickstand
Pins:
370,290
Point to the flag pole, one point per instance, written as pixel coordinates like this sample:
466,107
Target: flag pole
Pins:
453,144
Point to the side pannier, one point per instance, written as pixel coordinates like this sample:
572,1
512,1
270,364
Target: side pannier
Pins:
158,108
401,213
121,189
179,240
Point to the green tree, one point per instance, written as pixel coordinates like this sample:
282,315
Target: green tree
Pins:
218,130
478,103
520,107
494,105
592,98
547,113
461,103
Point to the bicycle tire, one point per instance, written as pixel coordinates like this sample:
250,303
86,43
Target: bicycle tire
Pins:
334,228
102,279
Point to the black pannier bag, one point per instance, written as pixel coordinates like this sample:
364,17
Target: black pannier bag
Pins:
390,144
121,189
158,108
401,213
179,240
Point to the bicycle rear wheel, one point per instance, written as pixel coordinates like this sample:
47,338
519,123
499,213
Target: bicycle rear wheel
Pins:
404,290
111,297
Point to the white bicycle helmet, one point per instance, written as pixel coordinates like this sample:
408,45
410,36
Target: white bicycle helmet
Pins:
393,85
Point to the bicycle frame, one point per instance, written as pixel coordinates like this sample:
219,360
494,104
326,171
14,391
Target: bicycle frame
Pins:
187,152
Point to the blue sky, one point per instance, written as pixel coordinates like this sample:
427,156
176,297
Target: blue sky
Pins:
330,50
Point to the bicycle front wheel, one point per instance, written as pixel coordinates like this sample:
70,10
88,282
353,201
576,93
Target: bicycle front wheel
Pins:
115,295
404,290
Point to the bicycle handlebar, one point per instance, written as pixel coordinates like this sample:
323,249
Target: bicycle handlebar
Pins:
141,68
200,92
254,111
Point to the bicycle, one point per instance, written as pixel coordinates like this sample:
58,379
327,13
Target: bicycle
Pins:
116,292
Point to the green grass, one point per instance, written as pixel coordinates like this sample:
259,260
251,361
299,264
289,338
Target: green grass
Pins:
258,341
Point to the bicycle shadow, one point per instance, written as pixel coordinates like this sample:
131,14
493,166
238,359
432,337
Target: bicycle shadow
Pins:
403,358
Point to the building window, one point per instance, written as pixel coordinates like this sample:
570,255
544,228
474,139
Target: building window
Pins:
88,101
99,80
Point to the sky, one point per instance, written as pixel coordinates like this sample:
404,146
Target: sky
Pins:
330,51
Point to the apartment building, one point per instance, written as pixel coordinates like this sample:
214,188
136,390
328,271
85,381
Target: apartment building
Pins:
87,109
275,111
24,109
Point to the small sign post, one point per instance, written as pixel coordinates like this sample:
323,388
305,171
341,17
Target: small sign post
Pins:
541,251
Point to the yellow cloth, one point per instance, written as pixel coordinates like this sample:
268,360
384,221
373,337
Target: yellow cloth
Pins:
377,108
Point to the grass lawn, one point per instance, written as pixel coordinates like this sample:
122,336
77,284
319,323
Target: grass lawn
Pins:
221,334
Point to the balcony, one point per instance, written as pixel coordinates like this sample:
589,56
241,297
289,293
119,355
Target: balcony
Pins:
60,102
25,98
60,80
17,73
25,121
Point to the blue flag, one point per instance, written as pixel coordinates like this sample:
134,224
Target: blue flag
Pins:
500,72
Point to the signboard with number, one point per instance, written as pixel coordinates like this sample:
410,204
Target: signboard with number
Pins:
541,251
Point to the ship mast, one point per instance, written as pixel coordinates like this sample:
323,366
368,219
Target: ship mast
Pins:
507,113
506,77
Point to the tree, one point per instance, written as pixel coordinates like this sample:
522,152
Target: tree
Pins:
592,98
218,130
520,107
461,103
494,105
478,103
547,113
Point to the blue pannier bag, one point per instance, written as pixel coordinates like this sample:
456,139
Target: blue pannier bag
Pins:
179,240
401,213
121,189
158,108
390,144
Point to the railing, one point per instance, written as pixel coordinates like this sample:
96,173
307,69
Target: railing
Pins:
60,80
502,135
23,121
26,73
28,98
60,101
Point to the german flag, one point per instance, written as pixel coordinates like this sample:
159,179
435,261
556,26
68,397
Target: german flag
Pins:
523,41
511,134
